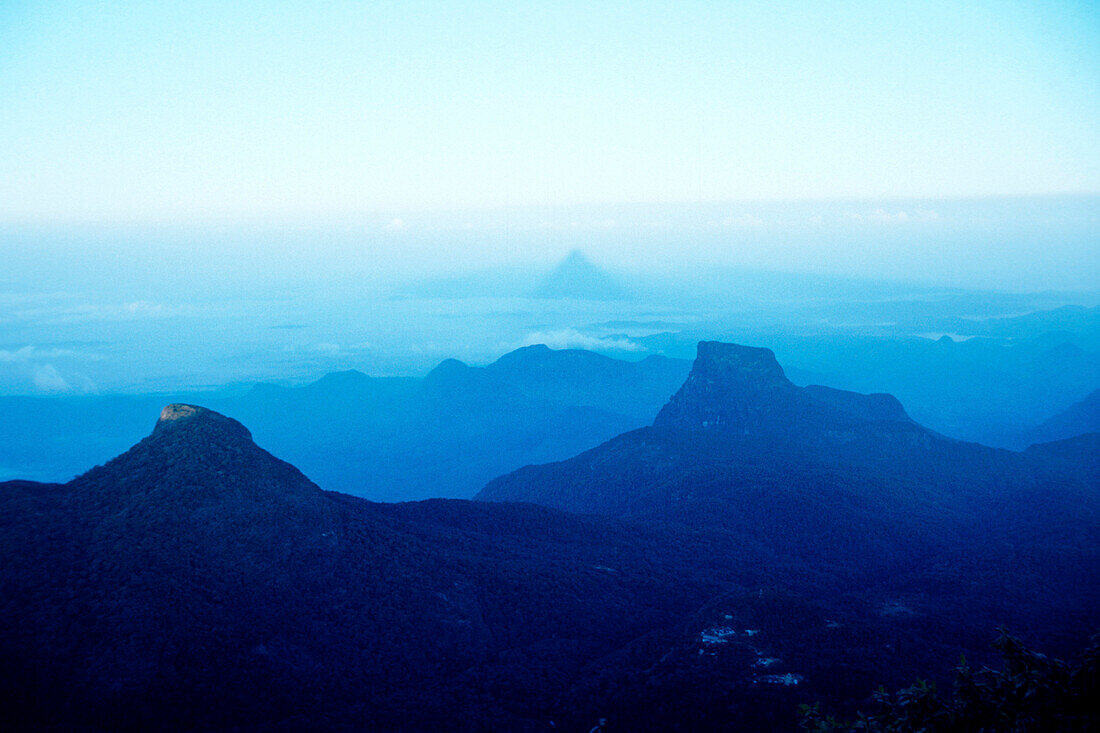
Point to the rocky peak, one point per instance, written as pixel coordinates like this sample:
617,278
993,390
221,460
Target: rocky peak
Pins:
171,413
743,390
196,457
730,386
747,366
200,421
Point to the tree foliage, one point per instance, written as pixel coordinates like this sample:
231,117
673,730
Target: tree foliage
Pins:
1032,692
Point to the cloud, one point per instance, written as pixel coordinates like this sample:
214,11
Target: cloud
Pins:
329,348
570,338
144,308
109,312
882,216
27,354
396,224
23,354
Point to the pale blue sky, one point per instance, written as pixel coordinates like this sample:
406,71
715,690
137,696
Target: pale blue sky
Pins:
165,111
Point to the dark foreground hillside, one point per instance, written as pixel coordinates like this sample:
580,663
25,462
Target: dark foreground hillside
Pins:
198,583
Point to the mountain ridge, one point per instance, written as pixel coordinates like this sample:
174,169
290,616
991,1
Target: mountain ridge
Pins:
738,427
198,582
744,389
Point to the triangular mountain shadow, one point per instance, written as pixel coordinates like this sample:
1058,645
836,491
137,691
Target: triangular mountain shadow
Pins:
577,278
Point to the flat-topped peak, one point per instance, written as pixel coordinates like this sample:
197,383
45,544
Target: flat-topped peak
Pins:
724,360
743,390
731,386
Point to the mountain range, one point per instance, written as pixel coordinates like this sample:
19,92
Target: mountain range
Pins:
995,388
197,582
1077,419
385,438
758,546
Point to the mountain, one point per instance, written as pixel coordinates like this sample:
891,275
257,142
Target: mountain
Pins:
743,390
1078,419
386,438
577,278
845,483
450,432
198,582
737,408
985,389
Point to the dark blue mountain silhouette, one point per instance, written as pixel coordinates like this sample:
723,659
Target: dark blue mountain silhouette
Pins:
759,546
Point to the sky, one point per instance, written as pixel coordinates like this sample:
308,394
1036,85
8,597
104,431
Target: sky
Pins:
166,112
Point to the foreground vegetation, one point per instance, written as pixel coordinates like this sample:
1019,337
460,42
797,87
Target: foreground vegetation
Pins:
1032,692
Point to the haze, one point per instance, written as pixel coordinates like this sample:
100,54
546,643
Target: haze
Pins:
196,111
193,194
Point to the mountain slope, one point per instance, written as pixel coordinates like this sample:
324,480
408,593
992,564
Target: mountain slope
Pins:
846,483
197,582
449,433
1077,419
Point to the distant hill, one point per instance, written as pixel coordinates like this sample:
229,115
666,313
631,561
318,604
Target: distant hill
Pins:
458,427
1078,419
576,277
1074,322
383,438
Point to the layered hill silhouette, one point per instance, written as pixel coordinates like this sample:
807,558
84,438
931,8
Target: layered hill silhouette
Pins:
449,433
734,560
198,582
1078,419
389,439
